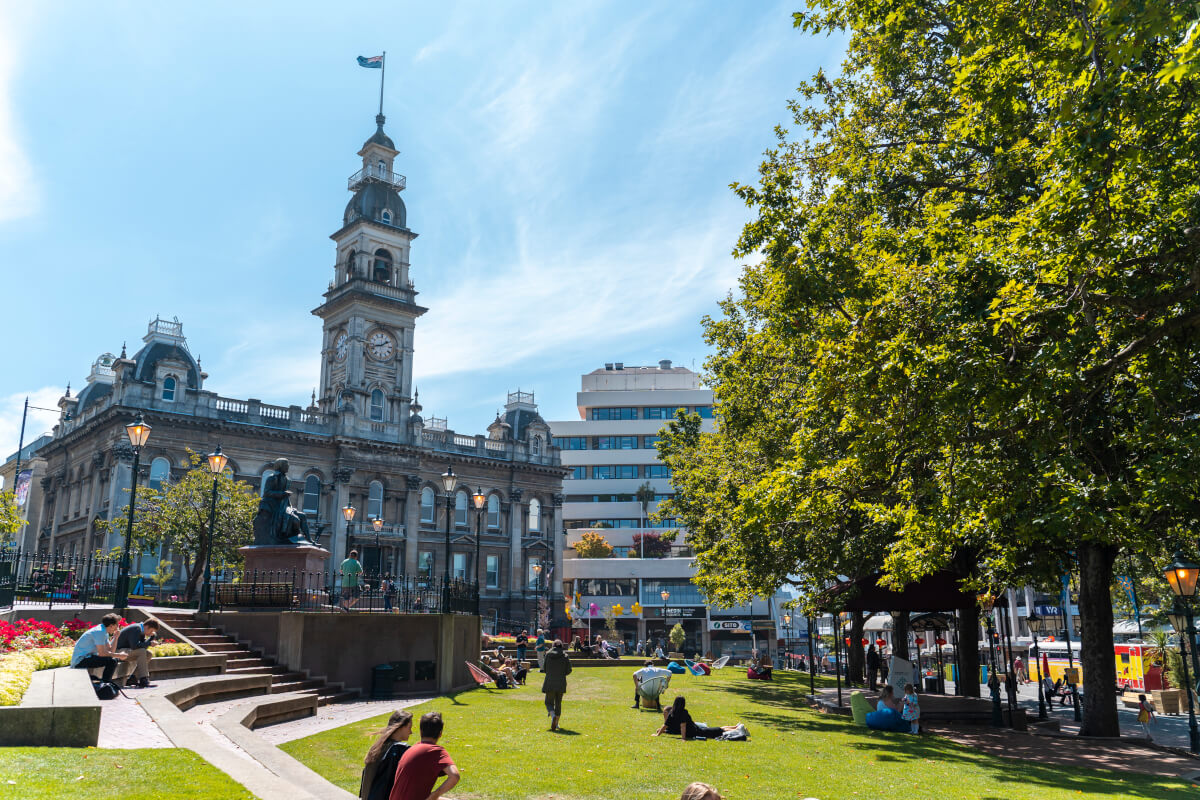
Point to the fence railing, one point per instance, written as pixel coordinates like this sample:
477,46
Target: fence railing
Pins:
40,579
332,591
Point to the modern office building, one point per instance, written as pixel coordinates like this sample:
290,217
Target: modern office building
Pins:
610,454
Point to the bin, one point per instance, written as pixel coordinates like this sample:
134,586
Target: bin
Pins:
931,684
383,679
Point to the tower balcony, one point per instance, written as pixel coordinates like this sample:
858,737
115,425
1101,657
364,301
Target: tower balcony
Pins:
376,173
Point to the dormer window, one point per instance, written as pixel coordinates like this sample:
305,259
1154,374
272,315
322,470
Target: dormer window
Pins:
382,169
387,217
350,266
168,389
382,270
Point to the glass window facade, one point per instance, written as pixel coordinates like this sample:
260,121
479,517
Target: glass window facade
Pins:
607,587
682,592
571,442
615,443
657,471
577,474
661,412
614,413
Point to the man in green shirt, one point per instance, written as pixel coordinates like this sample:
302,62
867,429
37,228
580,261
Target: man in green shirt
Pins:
351,570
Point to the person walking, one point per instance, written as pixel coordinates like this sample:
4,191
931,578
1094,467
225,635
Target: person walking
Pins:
557,667
1145,715
351,570
872,667
540,647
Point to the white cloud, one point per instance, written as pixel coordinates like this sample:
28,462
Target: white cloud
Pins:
18,191
38,422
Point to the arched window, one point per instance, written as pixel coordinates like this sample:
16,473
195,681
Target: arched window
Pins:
460,509
382,168
347,401
493,511
160,472
382,271
535,515
262,483
427,500
387,216
168,390
350,265
535,445
312,494
375,500
377,405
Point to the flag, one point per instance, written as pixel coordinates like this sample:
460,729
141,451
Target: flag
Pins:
1127,584
22,487
374,62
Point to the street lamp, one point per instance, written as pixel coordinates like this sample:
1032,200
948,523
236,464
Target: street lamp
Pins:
480,500
1182,575
1037,625
664,595
216,465
537,591
377,524
138,432
449,481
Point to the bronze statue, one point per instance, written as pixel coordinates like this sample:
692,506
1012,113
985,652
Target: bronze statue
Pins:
277,522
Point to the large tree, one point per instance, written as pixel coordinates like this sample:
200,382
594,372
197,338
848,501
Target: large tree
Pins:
971,341
177,516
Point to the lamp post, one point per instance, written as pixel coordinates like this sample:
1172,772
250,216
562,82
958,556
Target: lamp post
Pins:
1037,625
1071,657
348,514
787,642
537,592
1182,575
138,432
449,481
377,524
216,465
480,500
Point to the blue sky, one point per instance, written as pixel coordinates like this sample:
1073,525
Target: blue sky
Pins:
568,169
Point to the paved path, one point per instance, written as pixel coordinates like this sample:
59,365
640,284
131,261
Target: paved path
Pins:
124,724
335,716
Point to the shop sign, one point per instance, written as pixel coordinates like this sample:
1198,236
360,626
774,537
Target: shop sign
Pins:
682,612
732,625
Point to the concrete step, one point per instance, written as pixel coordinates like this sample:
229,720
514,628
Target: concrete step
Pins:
336,697
249,661
248,671
190,632
297,686
282,675
227,648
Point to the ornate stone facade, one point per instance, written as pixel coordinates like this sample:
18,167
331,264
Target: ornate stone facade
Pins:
361,442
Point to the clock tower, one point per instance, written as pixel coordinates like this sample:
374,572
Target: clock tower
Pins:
370,309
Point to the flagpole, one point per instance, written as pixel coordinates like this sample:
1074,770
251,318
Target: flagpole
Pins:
382,74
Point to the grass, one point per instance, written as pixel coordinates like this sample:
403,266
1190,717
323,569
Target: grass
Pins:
52,773
605,750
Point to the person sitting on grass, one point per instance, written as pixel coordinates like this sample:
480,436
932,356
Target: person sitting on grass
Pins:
677,718
379,767
700,791
647,672
515,671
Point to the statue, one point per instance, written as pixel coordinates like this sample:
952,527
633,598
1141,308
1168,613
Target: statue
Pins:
277,522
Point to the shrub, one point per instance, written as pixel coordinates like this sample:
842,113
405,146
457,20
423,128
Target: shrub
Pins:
172,648
653,545
593,545
16,670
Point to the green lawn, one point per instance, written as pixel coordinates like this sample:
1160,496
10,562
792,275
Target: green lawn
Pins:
605,750
55,773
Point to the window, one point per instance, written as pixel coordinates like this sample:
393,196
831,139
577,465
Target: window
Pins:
377,405
160,472
387,216
347,401
577,474
425,564
658,471
427,500
350,265
607,587
571,442
168,390
601,473
461,500
312,494
615,443
375,500
382,168
459,570
615,471
492,578
681,593
705,412
382,269
614,413
493,512
535,516
535,445
660,412
648,442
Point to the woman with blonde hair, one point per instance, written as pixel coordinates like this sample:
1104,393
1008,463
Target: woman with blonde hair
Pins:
379,767
700,791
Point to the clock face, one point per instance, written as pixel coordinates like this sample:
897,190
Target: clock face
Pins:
341,345
380,346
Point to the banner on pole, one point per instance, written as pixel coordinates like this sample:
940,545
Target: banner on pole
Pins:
24,479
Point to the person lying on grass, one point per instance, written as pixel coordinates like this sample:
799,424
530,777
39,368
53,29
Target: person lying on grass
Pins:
677,718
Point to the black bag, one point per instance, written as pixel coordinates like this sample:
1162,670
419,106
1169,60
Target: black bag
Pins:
106,690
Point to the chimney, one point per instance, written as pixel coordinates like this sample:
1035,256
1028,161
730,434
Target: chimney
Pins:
664,364
619,365
608,366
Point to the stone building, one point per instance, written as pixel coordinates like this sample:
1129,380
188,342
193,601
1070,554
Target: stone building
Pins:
361,442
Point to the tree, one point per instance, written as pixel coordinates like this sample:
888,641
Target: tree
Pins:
593,545
163,573
651,545
645,496
677,637
10,516
971,342
177,516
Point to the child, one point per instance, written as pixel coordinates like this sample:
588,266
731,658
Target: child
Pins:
912,708
1145,715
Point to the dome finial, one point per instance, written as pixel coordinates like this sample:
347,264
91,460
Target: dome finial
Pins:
123,350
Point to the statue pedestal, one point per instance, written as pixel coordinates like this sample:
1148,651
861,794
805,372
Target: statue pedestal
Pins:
284,558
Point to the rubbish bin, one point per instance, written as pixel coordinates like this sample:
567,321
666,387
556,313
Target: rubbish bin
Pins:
383,678
983,673
931,684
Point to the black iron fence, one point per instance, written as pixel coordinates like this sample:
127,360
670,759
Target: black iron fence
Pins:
42,579
333,591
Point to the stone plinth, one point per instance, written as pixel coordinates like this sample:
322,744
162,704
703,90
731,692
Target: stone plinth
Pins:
285,558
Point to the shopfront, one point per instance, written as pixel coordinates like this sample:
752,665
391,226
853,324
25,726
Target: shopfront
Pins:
660,621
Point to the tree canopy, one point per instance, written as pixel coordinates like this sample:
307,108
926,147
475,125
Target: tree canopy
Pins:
970,338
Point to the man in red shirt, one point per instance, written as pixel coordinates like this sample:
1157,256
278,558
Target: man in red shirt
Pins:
422,763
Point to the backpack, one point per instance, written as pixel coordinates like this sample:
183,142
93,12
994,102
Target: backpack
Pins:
738,734
106,690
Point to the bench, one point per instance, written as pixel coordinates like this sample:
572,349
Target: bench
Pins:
60,709
256,595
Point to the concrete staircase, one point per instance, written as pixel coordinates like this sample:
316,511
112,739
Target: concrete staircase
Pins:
241,660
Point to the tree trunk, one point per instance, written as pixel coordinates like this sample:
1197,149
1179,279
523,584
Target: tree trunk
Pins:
1096,656
900,634
855,657
968,652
